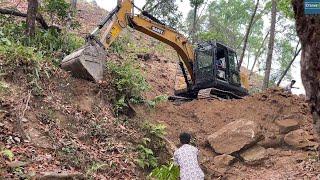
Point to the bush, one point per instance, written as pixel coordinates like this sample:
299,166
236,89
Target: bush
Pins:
165,172
154,102
48,42
146,158
129,84
119,45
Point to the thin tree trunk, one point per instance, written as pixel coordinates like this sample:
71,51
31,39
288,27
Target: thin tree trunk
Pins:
193,31
248,59
271,45
73,4
258,54
247,34
308,29
296,53
31,17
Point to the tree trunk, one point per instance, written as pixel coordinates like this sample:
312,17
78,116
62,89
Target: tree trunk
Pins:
308,29
73,4
258,54
296,53
271,45
31,17
193,31
247,34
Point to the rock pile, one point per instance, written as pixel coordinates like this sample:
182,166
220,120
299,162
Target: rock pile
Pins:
243,140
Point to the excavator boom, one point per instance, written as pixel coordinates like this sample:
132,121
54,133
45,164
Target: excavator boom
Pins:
120,18
208,66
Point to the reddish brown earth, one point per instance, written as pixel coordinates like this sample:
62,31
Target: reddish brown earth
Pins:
203,117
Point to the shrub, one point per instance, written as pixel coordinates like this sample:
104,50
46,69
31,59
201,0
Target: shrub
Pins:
154,102
146,158
165,172
129,84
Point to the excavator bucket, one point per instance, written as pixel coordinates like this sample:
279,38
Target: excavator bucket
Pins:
86,63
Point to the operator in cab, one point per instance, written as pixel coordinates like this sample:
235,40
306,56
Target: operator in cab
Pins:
186,157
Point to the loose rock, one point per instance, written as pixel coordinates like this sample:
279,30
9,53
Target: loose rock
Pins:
235,136
254,155
299,139
287,125
223,160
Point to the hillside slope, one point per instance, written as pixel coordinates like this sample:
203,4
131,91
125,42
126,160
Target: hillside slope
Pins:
70,129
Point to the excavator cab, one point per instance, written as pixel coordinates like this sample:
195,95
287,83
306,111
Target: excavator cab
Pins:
215,68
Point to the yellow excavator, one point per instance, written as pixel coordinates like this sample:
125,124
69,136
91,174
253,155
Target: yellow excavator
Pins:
211,65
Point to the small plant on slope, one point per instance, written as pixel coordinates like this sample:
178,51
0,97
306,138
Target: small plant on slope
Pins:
165,172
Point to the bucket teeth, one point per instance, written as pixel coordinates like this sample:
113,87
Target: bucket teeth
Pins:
86,63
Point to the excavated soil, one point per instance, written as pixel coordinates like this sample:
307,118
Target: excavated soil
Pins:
201,118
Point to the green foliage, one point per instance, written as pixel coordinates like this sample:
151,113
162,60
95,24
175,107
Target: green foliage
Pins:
194,3
153,103
285,7
33,55
8,154
57,9
4,87
166,11
119,45
129,84
94,168
147,159
153,130
166,172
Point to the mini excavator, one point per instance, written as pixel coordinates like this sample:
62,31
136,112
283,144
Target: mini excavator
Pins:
211,65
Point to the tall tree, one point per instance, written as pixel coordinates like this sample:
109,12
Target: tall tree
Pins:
258,54
296,53
247,34
31,17
308,29
74,4
195,4
271,45
165,10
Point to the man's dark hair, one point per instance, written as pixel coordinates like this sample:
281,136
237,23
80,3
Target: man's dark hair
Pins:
185,138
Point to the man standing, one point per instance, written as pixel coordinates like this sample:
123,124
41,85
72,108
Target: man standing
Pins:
187,159
290,86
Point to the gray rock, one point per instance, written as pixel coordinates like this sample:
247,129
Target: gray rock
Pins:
287,125
300,139
223,160
254,155
16,139
235,136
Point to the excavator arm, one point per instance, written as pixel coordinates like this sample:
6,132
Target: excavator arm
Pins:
122,16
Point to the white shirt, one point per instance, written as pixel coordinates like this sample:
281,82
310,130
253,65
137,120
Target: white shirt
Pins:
187,158
288,88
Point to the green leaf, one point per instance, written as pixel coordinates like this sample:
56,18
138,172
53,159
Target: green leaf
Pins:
8,153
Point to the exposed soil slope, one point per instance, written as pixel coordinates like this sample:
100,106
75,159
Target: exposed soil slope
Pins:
203,117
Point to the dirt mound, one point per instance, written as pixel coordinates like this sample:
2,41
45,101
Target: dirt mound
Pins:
204,117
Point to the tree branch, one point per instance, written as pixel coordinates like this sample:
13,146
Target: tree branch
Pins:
39,18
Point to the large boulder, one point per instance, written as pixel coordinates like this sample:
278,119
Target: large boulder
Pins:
235,136
300,139
254,155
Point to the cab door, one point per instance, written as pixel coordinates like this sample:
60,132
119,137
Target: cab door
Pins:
204,66
234,75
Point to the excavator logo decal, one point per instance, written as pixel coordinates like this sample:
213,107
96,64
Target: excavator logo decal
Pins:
157,30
